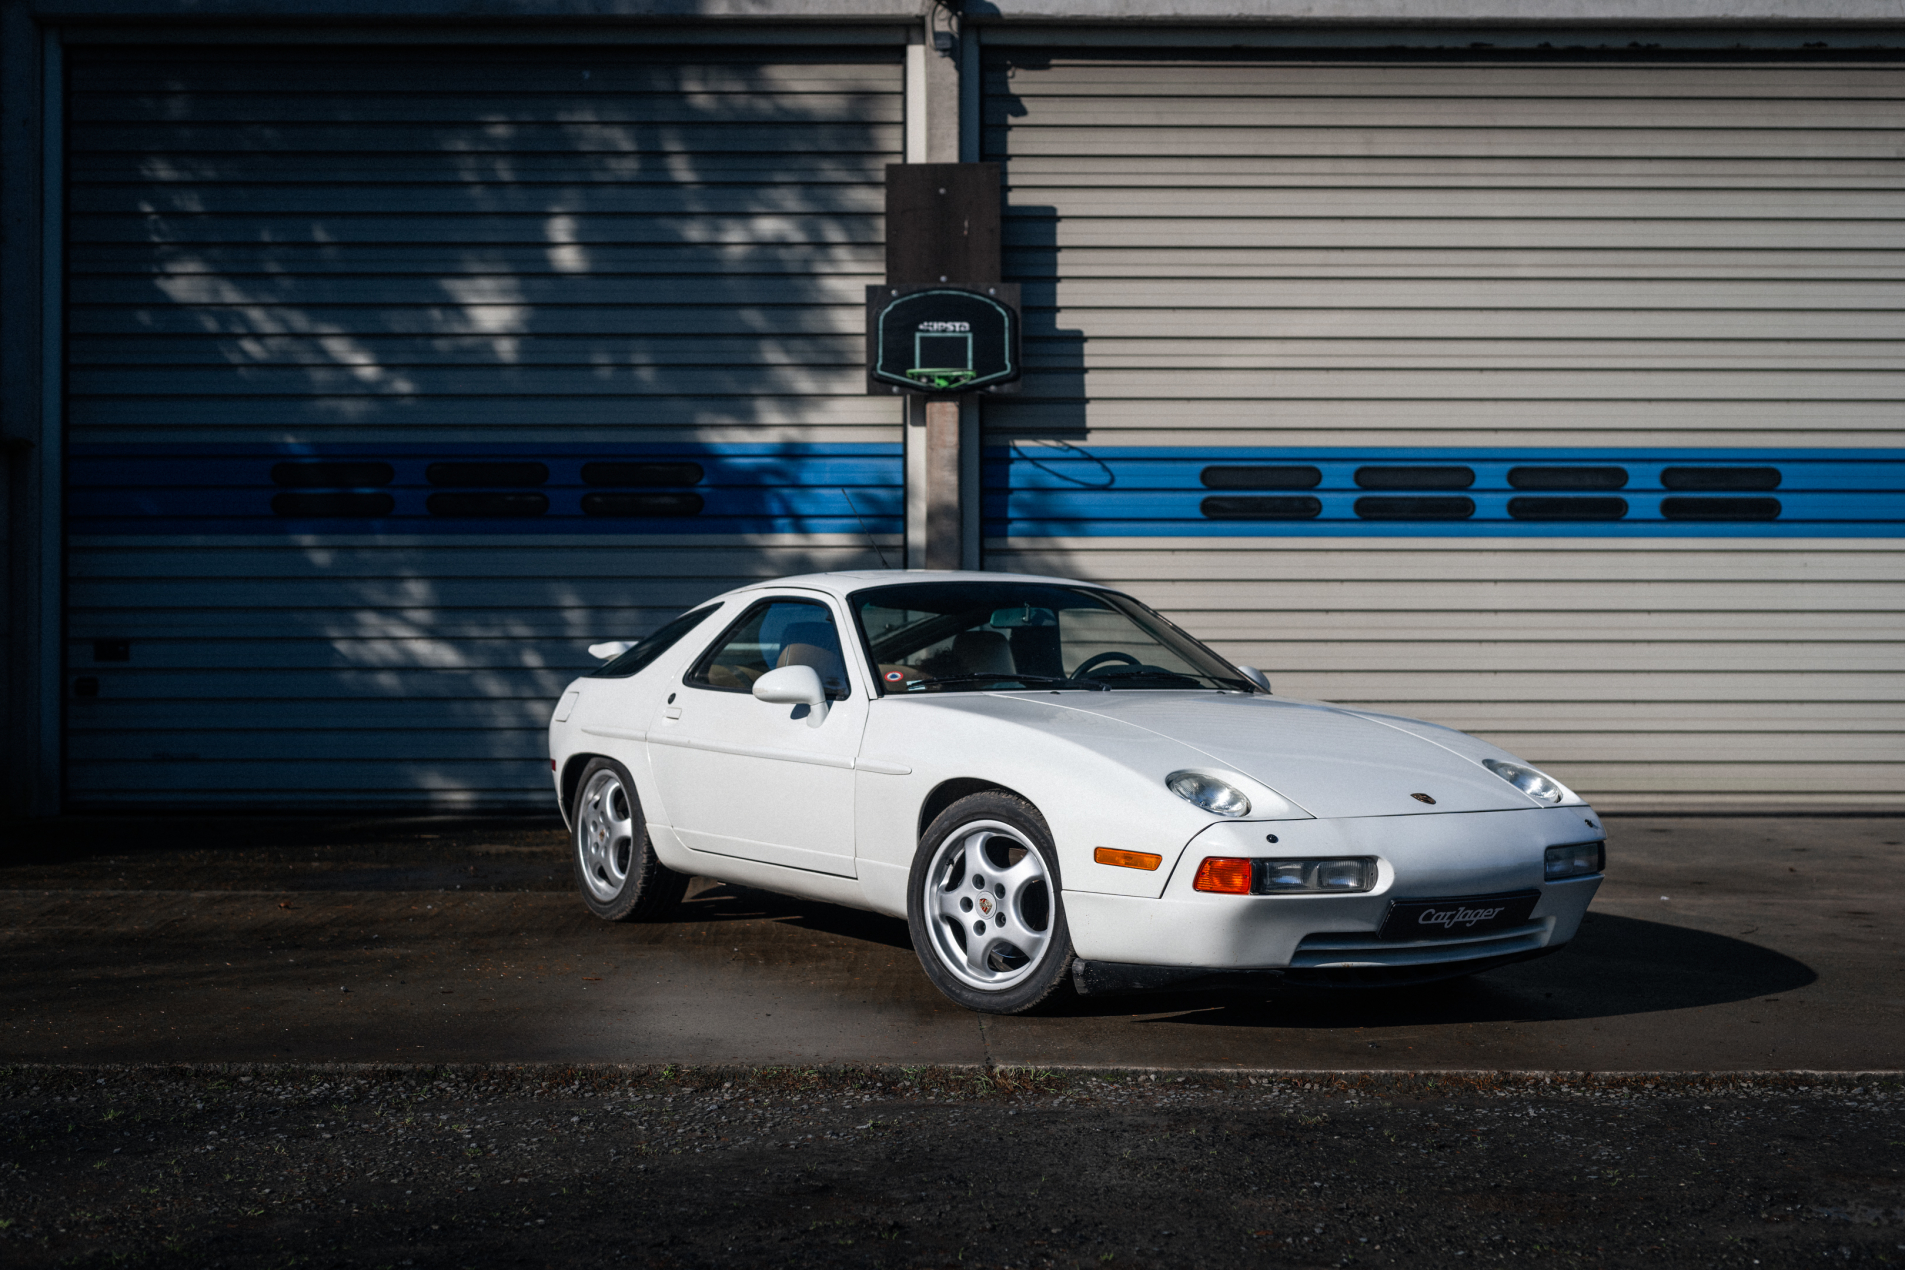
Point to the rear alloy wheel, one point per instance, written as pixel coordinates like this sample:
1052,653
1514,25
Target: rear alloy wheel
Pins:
984,909
615,867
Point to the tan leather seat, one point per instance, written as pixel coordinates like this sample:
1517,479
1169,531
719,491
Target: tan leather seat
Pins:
814,644
825,661
732,676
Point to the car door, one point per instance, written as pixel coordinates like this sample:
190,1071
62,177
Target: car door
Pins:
742,777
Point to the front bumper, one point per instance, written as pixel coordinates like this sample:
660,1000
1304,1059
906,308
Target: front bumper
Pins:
1332,938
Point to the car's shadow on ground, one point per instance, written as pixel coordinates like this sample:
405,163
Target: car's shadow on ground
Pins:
1615,966
725,902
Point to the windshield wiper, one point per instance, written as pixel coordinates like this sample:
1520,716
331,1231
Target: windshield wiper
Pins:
1129,676
1024,679
1244,684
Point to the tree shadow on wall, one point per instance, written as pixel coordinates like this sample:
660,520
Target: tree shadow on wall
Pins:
467,249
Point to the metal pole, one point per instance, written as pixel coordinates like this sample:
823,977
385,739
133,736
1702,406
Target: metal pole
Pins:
943,537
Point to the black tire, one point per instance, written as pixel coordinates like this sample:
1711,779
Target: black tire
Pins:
1019,904
615,865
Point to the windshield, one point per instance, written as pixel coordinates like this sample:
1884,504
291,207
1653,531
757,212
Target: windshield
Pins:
980,636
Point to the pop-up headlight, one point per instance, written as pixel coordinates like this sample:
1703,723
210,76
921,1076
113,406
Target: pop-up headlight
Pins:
1537,785
1216,796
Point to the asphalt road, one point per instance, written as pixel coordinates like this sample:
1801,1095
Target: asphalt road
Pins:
1716,944
923,1170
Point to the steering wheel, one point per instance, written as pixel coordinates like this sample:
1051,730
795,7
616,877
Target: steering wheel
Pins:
1092,663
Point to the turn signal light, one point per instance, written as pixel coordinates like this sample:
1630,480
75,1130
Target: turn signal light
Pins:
1127,859
1224,876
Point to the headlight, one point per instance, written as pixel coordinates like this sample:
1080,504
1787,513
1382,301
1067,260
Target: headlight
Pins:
1220,798
1537,785
1225,875
1280,877
1576,860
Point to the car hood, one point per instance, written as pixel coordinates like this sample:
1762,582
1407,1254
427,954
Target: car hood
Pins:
1327,760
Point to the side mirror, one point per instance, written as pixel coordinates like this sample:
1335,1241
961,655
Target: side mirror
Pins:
1255,676
795,686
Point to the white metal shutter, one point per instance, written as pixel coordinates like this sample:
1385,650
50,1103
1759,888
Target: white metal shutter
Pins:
420,257
1474,260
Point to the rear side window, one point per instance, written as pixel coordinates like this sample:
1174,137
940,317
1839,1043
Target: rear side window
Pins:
637,658
771,635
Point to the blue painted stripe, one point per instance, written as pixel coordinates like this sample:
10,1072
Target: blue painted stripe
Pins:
746,488
1060,489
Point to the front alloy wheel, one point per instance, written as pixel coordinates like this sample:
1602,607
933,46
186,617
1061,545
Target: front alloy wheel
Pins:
984,905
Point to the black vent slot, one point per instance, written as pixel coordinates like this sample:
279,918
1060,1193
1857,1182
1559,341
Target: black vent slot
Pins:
1569,478
1720,508
467,474
303,475
1415,477
1567,508
646,505
1421,507
1299,477
642,474
487,504
353,506
1287,507
1720,479
112,650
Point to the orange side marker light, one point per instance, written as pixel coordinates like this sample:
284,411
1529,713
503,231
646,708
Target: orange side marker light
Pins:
1127,859
1224,876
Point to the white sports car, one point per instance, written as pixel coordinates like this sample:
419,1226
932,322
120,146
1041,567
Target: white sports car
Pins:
1058,789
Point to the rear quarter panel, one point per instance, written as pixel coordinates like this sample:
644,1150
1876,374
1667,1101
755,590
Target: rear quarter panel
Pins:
612,719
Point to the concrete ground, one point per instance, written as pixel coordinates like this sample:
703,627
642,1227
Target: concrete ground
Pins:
1716,944
932,1169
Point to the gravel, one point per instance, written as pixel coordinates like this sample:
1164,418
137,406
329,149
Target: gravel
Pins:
561,1166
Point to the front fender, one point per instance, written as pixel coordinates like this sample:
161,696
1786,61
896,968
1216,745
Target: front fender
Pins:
1098,782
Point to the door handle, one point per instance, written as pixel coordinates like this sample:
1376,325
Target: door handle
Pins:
671,712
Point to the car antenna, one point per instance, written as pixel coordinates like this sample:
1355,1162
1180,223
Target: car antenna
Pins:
871,540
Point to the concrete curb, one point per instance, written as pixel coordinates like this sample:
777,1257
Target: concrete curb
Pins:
969,1079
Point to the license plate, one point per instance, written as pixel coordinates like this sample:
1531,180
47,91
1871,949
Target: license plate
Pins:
1457,915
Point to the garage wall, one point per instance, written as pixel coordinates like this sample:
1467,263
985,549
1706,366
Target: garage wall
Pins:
1233,263
399,376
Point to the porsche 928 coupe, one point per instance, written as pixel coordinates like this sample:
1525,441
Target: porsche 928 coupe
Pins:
1058,790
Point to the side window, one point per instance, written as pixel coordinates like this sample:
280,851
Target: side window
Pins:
771,635
637,659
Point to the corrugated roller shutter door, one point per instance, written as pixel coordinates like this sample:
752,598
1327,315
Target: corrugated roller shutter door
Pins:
400,376
1309,343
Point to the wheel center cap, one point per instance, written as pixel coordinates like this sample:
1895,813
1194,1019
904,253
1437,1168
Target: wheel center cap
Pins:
985,905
